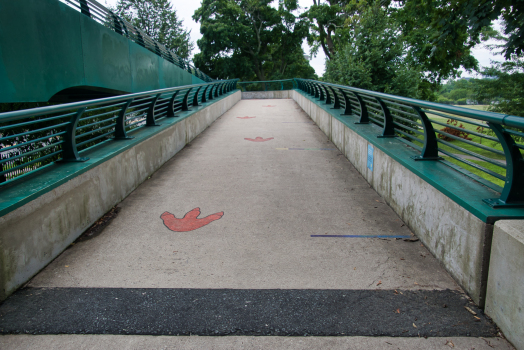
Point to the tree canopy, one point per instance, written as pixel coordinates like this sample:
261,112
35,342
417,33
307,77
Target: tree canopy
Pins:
159,20
251,40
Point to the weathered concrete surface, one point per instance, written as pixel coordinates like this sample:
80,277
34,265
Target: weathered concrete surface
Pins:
34,234
275,195
273,198
505,296
454,235
249,95
21,342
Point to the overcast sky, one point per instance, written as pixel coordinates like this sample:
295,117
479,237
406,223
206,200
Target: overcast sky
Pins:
186,9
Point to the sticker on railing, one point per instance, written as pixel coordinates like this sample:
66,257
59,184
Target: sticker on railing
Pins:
189,222
246,117
258,139
370,157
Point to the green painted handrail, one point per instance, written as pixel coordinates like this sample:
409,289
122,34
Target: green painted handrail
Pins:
30,139
406,117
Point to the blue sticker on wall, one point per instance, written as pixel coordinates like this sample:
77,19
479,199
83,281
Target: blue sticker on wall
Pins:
370,157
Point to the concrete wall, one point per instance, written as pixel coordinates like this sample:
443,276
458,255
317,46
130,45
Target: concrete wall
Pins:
454,235
37,232
505,295
256,95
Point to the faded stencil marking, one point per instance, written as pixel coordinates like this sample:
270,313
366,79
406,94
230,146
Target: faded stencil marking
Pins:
246,117
258,139
189,222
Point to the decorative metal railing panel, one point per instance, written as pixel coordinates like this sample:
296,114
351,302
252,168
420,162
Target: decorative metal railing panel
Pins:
488,145
31,139
107,18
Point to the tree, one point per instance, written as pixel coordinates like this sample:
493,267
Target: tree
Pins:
505,88
325,19
251,40
159,20
474,17
336,25
371,52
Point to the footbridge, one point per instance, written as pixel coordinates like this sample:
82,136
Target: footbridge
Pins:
309,209
72,50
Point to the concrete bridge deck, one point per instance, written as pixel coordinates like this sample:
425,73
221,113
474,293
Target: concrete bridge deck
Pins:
295,243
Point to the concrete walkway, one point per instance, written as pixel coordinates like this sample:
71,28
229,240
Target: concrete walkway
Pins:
260,226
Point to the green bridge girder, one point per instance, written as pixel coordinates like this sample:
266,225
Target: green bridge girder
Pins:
50,52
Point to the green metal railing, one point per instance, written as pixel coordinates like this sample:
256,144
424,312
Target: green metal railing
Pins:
107,18
486,143
33,138
270,85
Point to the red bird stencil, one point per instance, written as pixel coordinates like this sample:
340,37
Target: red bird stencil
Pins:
246,117
189,222
258,139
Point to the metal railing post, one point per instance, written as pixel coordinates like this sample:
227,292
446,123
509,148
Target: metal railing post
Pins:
389,127
321,92
513,193
84,8
117,25
69,149
337,99
150,118
171,106
328,97
210,96
204,100
195,98
364,116
184,102
430,150
139,38
120,125
347,109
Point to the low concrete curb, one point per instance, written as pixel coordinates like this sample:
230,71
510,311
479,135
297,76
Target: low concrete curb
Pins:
505,294
254,95
35,233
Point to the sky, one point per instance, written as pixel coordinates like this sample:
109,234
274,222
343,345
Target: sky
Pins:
186,9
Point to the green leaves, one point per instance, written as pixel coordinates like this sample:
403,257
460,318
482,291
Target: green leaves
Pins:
159,20
251,40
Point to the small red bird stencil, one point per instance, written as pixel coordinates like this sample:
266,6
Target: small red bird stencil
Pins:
189,222
246,117
258,139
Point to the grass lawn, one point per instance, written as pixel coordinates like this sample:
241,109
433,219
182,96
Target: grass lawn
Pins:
480,173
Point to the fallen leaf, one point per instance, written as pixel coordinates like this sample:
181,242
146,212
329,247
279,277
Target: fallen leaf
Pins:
67,266
411,239
398,311
476,318
416,283
450,344
355,268
379,283
470,311
402,259
348,223
414,325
